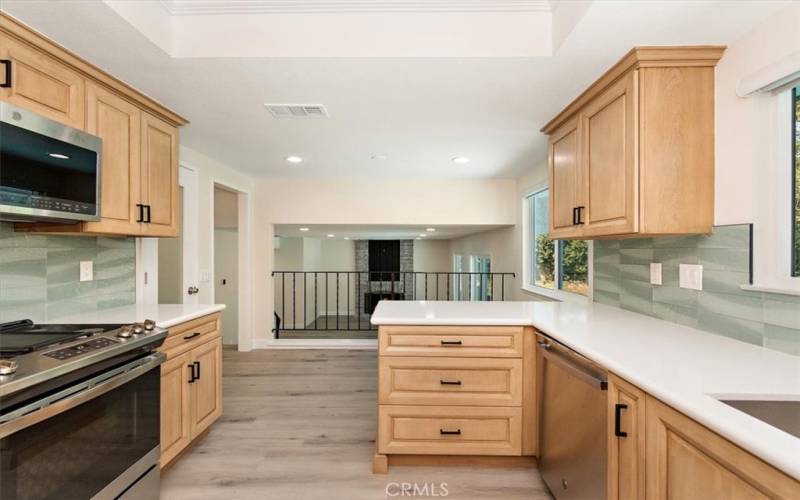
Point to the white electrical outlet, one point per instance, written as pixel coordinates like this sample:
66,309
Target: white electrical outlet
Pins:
691,276
205,276
655,273
87,270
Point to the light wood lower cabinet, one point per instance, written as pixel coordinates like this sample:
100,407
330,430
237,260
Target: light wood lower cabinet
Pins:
455,392
191,384
626,440
686,460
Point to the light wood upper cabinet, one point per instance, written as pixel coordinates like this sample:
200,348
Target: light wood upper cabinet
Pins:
644,134
626,440
609,160
118,123
42,84
686,460
175,406
159,177
139,159
207,388
565,180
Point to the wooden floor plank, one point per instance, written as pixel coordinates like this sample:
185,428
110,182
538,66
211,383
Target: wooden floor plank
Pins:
300,424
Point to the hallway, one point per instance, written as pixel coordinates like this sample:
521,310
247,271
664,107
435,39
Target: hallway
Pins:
300,424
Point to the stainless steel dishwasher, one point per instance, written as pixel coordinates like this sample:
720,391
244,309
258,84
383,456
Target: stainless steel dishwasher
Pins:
573,391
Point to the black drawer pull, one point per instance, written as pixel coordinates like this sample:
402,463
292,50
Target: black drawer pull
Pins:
197,364
579,210
191,371
450,382
456,432
618,420
190,337
7,81
451,342
141,212
149,219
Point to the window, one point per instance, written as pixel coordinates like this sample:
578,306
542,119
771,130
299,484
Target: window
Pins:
555,264
796,183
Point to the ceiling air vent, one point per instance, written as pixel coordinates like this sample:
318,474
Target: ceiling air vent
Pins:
297,110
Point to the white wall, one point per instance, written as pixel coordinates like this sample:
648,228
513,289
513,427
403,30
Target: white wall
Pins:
753,156
226,241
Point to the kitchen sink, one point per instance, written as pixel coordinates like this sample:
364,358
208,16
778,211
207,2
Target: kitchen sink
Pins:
785,415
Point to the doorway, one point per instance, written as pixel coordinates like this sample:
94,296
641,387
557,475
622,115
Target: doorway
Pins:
226,261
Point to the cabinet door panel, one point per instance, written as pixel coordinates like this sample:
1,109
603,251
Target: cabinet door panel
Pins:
43,85
686,460
626,480
118,123
207,389
159,176
565,179
175,407
609,160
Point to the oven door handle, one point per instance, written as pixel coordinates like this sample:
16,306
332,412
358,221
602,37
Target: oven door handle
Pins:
77,394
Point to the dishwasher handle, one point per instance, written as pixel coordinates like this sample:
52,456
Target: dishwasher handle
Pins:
576,369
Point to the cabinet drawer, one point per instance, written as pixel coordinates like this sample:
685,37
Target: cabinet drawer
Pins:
450,381
188,335
451,341
450,430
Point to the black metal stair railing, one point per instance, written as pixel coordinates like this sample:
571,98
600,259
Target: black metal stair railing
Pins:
345,300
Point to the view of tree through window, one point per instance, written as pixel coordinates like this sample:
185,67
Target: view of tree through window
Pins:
562,264
796,166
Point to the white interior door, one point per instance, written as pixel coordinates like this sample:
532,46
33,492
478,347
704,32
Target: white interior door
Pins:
189,210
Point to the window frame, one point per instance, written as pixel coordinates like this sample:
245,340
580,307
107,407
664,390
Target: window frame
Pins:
794,266
528,285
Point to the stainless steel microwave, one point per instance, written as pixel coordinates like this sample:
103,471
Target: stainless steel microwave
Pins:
48,171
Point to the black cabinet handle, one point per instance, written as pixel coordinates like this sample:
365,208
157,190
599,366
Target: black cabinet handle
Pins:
618,420
191,371
149,219
456,432
451,342
450,382
190,337
574,216
197,364
579,211
7,80
141,212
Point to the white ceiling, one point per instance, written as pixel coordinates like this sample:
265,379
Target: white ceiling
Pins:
370,232
417,111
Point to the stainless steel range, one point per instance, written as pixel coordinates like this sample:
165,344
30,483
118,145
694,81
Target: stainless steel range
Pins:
79,410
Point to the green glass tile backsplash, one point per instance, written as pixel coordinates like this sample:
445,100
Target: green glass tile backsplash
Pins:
622,279
39,274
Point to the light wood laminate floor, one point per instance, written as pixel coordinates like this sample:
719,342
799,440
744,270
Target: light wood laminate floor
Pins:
300,424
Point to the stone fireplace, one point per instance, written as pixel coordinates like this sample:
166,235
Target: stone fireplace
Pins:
373,287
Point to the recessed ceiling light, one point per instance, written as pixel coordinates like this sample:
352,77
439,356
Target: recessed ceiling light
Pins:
380,157
304,229
460,159
417,238
423,235
294,159
431,229
59,156
347,237
331,235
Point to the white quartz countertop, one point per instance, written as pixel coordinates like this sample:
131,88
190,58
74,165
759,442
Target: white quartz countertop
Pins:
683,367
165,315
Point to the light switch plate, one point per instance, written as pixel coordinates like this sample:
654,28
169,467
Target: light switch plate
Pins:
205,276
87,270
691,276
655,273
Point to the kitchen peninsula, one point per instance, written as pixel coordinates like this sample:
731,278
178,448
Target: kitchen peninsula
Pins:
667,388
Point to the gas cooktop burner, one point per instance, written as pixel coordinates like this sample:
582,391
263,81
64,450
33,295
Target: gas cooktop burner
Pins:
20,337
